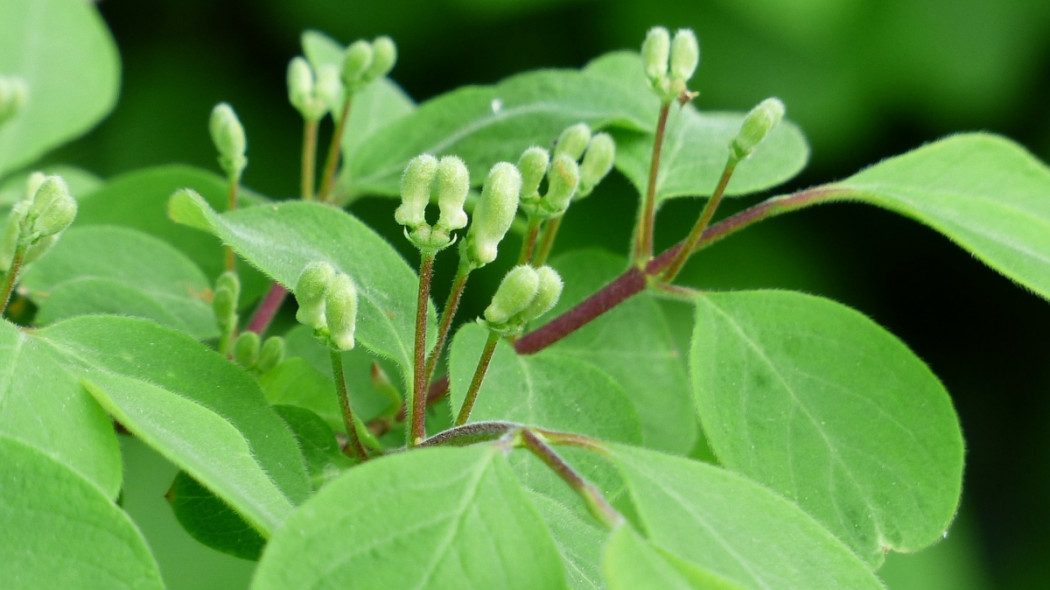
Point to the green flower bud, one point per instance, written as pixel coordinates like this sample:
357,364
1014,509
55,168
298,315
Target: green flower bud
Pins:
384,56
655,52
329,88
341,312
453,183
227,134
271,354
310,292
33,183
415,191
51,210
229,280
514,294
356,61
573,141
597,163
562,180
300,83
550,286
224,303
757,124
246,349
13,95
533,166
685,55
494,214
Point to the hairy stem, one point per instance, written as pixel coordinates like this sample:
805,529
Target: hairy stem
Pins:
447,313
468,434
701,223
11,278
267,309
309,160
643,246
417,431
479,376
332,159
344,404
529,243
596,502
548,242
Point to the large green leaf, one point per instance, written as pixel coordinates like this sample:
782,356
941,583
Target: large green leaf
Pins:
57,530
696,144
66,56
487,124
45,407
164,387
983,192
821,404
545,390
282,239
633,344
104,269
432,518
734,528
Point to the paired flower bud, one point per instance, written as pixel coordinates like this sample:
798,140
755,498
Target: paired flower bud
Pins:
248,353
525,294
756,126
328,304
563,174
304,91
224,300
227,134
13,95
596,164
36,221
493,215
669,64
452,184
363,62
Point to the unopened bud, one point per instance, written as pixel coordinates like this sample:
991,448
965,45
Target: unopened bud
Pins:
384,56
227,134
310,292
341,312
13,94
550,286
33,183
246,349
329,88
415,190
52,208
514,294
356,62
493,215
756,126
300,83
562,180
655,52
271,354
573,141
685,55
533,166
453,183
597,162
224,302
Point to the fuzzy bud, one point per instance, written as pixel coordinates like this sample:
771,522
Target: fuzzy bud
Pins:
310,292
303,91
246,349
271,354
384,56
493,215
453,183
227,134
597,162
514,294
415,190
756,126
341,312
224,303
329,88
573,141
550,286
13,95
533,166
51,210
685,55
655,52
562,180
356,62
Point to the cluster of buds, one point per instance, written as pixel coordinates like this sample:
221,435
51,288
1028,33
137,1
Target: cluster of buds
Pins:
670,63
227,134
525,294
251,353
37,221
595,154
13,94
366,61
756,126
566,179
328,304
314,92
448,181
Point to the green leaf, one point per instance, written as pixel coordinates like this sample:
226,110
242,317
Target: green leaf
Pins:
139,200
45,407
545,390
431,518
67,58
163,387
487,124
324,460
102,269
824,406
985,193
631,562
733,528
696,144
210,521
60,531
578,539
633,344
282,239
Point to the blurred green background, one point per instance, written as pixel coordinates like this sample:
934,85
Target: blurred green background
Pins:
865,79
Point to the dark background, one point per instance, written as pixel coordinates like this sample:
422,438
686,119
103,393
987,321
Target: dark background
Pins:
865,79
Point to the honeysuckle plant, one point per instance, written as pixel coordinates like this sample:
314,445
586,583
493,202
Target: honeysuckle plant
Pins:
552,439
